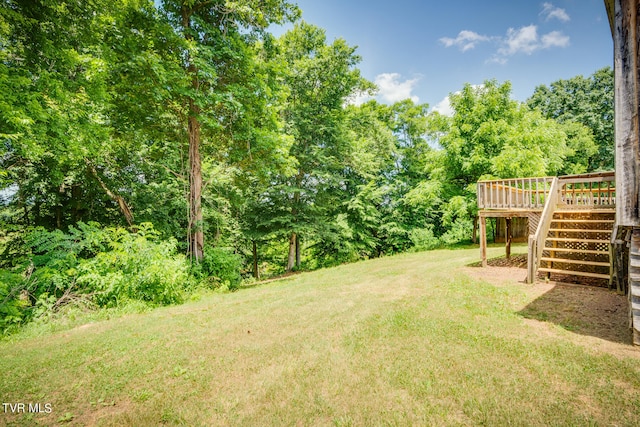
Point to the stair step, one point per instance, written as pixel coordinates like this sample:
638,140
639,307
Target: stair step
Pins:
574,273
577,230
582,251
585,210
585,221
576,261
574,240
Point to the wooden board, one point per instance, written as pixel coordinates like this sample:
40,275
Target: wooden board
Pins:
577,230
574,273
571,240
585,251
585,221
627,101
575,261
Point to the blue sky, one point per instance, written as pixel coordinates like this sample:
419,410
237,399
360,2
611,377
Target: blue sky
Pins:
428,49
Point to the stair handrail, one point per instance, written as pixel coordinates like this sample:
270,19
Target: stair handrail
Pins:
537,240
592,196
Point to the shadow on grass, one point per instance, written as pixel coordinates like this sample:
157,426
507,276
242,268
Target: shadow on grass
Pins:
585,310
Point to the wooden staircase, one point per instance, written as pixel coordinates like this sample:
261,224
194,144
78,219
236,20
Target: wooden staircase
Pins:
573,217
577,244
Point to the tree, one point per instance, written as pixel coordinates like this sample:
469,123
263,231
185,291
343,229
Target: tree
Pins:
216,36
320,78
55,111
588,101
492,136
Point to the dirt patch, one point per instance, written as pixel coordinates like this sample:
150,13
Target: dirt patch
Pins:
517,261
500,270
597,315
586,310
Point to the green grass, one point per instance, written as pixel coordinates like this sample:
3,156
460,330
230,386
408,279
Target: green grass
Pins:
404,340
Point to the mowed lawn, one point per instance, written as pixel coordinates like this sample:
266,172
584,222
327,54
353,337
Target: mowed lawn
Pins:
404,340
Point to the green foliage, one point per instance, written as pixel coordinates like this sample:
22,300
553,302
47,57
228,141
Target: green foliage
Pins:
490,136
138,267
13,302
108,266
220,268
585,100
490,133
101,101
423,239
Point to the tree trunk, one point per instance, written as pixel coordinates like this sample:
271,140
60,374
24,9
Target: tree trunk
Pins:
294,248
76,206
22,203
292,251
122,204
256,271
508,237
196,231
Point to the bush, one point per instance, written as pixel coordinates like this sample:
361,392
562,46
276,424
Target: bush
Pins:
461,230
138,267
220,267
103,266
423,239
13,301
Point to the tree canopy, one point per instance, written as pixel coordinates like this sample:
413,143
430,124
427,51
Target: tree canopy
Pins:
185,132
585,100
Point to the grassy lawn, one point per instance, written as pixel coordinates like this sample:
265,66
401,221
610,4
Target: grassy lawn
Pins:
404,340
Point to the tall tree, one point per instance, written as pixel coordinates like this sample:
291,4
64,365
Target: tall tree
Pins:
55,110
320,78
491,135
585,100
216,37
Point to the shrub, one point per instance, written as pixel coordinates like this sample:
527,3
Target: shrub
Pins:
138,267
13,301
220,267
423,239
104,266
460,231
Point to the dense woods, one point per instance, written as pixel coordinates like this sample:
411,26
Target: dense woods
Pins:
151,149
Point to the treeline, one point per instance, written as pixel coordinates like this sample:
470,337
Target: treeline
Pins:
149,150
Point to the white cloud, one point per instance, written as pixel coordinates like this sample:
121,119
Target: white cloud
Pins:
444,107
555,39
497,59
465,40
549,11
391,89
523,40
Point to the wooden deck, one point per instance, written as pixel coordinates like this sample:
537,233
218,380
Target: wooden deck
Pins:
571,220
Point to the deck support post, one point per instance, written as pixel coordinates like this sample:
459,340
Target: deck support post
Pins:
508,237
483,240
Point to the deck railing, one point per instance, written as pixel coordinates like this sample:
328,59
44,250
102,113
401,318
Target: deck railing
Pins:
516,193
592,190
537,240
575,191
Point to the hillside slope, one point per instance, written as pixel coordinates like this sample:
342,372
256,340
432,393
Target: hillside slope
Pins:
406,340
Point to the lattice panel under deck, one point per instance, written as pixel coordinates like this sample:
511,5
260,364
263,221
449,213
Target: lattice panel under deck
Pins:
578,240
